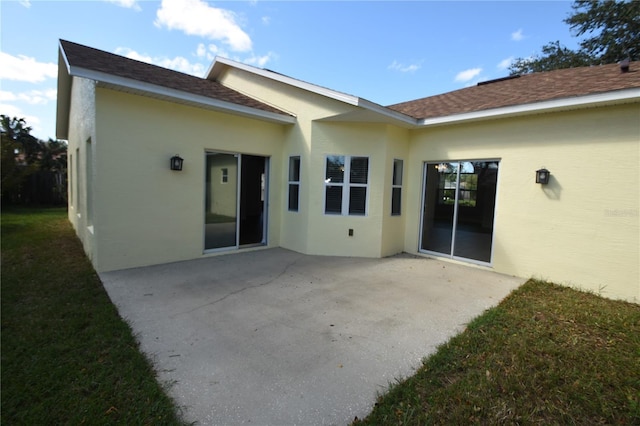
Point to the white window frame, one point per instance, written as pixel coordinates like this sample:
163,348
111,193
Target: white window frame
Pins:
395,185
224,175
294,183
346,185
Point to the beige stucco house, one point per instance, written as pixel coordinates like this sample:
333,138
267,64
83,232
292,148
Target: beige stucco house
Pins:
272,161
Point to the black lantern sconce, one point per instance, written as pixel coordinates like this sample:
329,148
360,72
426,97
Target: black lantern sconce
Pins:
176,162
542,176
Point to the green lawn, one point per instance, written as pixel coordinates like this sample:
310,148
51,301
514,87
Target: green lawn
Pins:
546,355
67,357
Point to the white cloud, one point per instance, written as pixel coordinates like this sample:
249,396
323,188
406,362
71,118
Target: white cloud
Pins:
132,54
183,65
201,50
467,75
260,61
129,4
26,3
33,97
505,63
209,51
196,17
7,96
266,20
14,111
517,35
11,110
177,64
396,66
24,68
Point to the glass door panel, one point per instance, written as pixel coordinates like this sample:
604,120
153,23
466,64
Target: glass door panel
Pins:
252,196
221,201
438,207
475,210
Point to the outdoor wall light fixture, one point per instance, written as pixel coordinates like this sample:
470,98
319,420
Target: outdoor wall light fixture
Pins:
542,176
176,162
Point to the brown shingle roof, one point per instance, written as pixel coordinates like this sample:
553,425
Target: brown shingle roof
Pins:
525,89
98,60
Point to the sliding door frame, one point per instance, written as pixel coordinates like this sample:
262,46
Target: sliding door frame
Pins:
423,210
238,190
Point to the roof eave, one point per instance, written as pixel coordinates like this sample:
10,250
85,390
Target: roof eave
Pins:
386,114
63,101
586,101
135,86
374,114
220,64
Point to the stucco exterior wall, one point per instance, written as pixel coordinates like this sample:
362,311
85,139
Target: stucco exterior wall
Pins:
309,230
393,227
582,228
147,213
81,162
329,234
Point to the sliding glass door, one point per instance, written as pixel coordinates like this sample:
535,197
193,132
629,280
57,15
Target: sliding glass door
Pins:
235,193
458,209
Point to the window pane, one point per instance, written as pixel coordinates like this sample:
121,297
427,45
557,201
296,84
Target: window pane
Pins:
293,196
397,172
359,169
294,169
333,200
396,201
335,169
357,200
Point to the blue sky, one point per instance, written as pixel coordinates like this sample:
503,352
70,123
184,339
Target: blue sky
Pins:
386,52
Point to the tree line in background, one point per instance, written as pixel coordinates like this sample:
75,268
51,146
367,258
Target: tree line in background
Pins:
612,34
34,172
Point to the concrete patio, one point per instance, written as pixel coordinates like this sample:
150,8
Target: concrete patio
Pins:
274,337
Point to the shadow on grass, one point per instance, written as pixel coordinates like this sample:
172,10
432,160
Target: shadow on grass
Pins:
67,357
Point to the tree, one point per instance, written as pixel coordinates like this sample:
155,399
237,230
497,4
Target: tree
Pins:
53,160
554,56
614,25
18,154
16,130
613,28
32,171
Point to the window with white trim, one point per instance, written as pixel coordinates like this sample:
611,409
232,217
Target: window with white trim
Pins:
294,183
346,185
224,175
396,188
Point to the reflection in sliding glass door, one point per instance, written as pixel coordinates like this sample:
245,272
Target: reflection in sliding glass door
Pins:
221,200
458,209
438,211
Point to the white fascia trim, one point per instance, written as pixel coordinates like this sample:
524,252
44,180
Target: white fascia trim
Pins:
619,96
319,90
379,109
63,101
180,95
333,94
